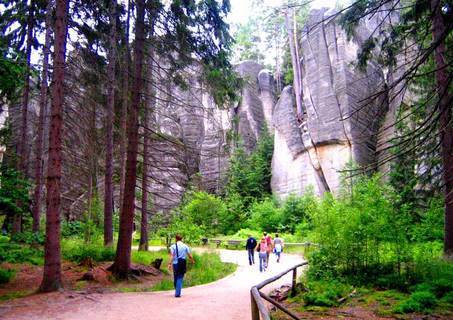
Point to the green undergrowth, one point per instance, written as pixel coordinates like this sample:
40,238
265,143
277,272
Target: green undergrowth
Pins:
15,295
76,250
207,268
14,252
6,275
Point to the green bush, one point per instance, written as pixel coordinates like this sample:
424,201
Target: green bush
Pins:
325,293
77,251
295,211
72,229
184,226
266,216
18,253
419,301
6,275
29,237
209,212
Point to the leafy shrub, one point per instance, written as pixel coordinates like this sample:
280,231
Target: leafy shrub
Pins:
14,195
209,212
6,275
325,293
17,253
266,216
295,210
29,237
431,226
448,298
72,229
419,301
244,233
77,251
184,226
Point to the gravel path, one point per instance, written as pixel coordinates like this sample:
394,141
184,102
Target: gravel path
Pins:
225,299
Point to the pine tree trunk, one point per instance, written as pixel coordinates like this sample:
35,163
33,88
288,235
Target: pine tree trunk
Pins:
124,107
149,105
121,265
445,121
42,110
23,144
108,190
52,262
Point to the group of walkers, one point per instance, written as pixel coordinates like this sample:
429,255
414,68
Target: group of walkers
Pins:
179,252
264,249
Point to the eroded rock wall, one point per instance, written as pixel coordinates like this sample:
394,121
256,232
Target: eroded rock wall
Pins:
192,142
341,122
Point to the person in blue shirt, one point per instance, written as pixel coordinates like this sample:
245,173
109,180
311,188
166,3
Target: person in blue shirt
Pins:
179,252
250,246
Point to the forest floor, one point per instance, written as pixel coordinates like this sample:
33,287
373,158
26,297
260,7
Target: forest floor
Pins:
228,298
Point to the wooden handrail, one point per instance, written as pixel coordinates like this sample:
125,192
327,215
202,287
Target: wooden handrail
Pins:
258,307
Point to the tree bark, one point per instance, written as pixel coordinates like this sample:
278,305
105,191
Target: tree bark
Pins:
52,262
445,121
121,265
124,107
42,110
108,190
23,163
149,105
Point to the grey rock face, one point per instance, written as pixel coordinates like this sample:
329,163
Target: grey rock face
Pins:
255,108
340,119
197,132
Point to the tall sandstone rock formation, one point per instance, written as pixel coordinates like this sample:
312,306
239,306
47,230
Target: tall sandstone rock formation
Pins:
192,142
341,121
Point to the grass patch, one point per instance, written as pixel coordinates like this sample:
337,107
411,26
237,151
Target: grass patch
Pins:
20,253
15,295
207,268
325,293
76,250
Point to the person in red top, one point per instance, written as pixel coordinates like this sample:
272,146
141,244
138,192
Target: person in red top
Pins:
269,246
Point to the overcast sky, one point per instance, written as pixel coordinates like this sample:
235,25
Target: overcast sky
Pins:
241,9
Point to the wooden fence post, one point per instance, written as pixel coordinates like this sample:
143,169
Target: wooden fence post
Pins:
293,287
255,311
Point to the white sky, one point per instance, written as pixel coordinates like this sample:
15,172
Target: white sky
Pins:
241,9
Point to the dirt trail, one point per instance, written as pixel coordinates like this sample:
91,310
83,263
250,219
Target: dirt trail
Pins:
225,299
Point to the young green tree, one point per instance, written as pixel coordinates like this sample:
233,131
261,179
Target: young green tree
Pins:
428,24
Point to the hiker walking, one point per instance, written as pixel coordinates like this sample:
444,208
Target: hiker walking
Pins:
278,246
178,262
262,254
268,239
250,246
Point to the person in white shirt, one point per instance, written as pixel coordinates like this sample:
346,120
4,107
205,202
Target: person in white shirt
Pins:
179,252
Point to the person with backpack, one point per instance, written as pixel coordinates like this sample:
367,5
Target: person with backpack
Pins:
179,252
269,244
262,254
250,246
278,246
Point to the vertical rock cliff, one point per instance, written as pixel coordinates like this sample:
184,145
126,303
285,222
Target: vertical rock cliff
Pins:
339,117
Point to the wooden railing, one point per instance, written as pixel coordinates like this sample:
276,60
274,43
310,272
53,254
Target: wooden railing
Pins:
256,296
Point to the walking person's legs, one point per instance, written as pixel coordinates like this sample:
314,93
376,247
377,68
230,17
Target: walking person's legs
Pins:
178,286
262,258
